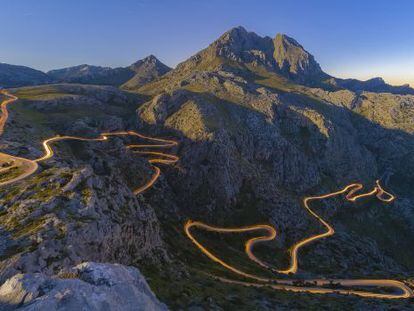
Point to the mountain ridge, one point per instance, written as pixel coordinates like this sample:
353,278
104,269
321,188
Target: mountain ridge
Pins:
140,72
282,56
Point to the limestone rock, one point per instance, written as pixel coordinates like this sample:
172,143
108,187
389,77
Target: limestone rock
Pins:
89,286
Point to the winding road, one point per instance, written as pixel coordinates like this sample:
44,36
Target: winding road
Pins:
29,167
26,166
292,284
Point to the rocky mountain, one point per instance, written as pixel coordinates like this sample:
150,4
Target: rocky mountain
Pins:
281,55
259,126
294,61
146,70
15,76
135,75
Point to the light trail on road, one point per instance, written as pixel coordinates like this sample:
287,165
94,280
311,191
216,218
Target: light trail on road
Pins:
31,166
28,166
4,110
291,284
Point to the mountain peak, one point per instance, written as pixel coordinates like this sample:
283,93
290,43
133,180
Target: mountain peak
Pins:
146,70
151,57
239,37
235,32
150,61
282,55
238,45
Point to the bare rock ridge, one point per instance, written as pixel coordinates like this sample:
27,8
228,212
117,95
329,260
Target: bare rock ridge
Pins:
87,286
294,61
281,55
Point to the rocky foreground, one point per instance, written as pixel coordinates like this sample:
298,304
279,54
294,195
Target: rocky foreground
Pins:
88,286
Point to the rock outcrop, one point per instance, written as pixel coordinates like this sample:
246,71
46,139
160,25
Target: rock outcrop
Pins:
88,286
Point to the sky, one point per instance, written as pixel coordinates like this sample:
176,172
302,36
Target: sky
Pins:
350,39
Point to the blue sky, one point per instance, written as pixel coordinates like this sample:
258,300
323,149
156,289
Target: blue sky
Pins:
358,39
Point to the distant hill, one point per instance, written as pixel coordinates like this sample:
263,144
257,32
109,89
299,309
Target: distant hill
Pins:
15,76
377,85
135,75
131,77
88,74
